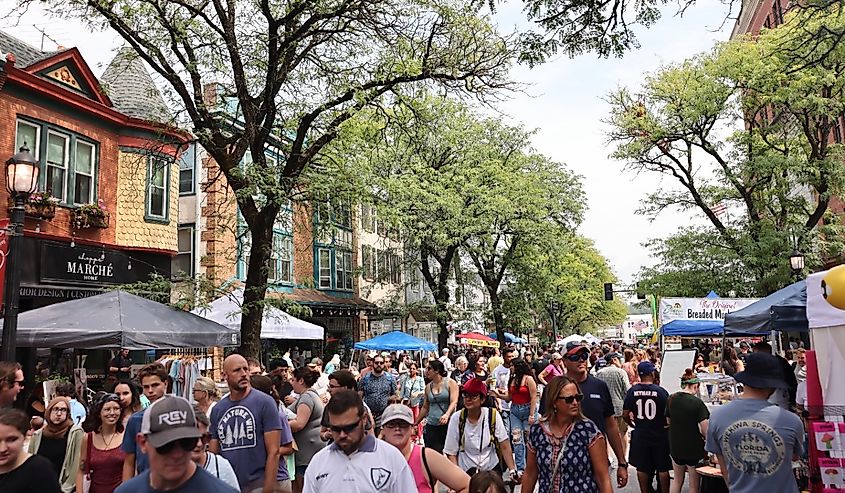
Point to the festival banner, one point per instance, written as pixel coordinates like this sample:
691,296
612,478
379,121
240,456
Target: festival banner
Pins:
699,308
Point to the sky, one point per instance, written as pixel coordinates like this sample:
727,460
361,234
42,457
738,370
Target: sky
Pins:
563,101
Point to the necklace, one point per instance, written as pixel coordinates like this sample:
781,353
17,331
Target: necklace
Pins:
107,443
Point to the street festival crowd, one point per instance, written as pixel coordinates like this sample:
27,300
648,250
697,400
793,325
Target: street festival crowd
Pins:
566,419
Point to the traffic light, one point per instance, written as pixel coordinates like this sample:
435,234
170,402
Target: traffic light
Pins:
640,294
608,291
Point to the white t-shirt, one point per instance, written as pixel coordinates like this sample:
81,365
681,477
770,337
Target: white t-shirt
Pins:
801,394
376,467
502,375
447,363
322,385
478,451
221,469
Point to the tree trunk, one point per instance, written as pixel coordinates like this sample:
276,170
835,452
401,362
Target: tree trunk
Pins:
256,288
498,318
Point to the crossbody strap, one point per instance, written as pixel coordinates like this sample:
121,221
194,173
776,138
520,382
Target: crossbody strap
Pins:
88,455
431,480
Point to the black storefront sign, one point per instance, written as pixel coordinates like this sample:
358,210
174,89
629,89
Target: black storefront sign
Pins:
82,265
61,293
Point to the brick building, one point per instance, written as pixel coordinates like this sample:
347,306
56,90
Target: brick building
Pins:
101,144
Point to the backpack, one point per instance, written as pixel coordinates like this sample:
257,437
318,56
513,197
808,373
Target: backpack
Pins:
462,421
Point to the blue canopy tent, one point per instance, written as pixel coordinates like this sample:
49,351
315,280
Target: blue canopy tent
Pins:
395,341
784,310
509,338
693,328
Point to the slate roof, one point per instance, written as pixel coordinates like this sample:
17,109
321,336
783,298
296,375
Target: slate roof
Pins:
25,53
131,88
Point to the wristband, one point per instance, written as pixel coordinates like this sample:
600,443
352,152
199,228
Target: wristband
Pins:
623,465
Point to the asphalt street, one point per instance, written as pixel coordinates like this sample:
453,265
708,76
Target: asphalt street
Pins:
631,487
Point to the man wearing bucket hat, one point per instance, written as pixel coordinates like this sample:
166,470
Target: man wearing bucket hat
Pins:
168,435
754,440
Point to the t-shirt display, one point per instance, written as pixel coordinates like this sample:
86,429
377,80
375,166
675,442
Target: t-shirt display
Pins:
35,475
685,411
200,481
758,441
239,427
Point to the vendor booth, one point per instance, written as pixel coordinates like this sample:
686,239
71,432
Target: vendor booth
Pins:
395,341
275,323
784,310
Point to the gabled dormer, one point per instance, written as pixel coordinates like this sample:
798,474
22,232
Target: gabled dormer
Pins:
68,69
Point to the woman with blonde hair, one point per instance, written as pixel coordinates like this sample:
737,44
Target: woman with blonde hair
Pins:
206,394
566,452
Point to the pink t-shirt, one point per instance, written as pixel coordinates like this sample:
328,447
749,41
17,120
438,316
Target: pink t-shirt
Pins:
553,371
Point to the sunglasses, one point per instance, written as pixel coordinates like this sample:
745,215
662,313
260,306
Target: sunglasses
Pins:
19,383
206,437
379,362
186,444
345,428
578,357
569,399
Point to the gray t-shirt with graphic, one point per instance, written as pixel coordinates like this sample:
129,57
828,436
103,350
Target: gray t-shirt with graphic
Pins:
239,426
757,441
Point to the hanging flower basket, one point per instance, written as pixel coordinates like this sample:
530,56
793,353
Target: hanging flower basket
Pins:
90,216
40,205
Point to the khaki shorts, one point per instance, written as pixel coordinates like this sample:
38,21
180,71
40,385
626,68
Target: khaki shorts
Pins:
623,426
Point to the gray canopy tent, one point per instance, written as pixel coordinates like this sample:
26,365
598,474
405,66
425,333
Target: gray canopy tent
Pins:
118,319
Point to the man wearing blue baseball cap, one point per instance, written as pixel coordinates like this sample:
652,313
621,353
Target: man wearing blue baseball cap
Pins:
645,412
754,440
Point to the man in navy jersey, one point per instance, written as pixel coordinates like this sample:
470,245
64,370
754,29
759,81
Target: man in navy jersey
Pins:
645,411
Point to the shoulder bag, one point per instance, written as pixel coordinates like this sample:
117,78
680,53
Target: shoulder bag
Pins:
86,478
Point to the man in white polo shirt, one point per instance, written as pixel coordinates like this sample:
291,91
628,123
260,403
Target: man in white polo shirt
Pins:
356,456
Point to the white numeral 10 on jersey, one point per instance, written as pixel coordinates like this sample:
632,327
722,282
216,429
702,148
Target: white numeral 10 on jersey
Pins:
646,409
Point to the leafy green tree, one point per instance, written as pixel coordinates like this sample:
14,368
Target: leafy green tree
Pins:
288,75
561,279
741,127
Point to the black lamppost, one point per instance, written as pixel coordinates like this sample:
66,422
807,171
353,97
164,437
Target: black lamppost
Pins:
21,180
796,262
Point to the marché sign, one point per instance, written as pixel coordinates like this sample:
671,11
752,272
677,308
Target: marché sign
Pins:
82,265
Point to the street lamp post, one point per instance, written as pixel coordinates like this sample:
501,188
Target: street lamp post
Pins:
21,180
796,262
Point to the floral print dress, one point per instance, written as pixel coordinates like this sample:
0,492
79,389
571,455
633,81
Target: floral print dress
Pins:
575,472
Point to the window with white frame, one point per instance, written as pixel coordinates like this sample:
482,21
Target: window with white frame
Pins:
83,177
57,164
183,263
284,246
343,270
187,165
68,160
158,174
325,268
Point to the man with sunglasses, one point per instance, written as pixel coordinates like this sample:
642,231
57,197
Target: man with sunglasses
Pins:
11,382
375,388
597,404
169,434
356,461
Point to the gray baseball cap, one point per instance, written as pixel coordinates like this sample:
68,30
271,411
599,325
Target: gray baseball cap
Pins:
169,419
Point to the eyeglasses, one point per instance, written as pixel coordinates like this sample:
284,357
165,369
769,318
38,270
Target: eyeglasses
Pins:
397,424
578,357
472,396
186,444
345,428
569,399
60,410
19,383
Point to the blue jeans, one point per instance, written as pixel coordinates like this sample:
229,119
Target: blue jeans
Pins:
519,432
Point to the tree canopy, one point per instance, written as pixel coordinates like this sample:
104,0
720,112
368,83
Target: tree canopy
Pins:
747,128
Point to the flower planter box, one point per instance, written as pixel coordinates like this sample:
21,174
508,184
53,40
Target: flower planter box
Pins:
37,210
86,220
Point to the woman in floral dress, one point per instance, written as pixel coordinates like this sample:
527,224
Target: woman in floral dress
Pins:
566,452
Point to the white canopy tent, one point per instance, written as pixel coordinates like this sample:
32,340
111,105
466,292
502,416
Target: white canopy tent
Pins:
276,324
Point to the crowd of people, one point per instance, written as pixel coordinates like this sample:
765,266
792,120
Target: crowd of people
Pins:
564,420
